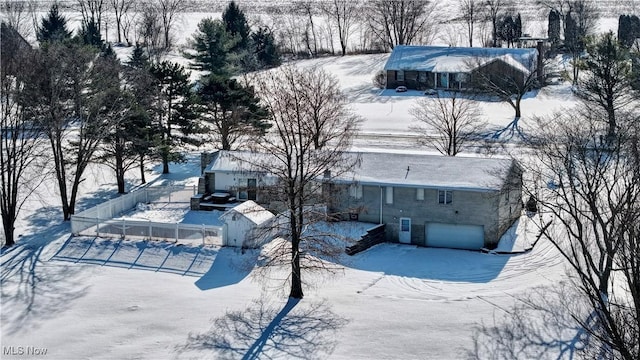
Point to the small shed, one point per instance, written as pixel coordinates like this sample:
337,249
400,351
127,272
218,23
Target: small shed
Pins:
246,225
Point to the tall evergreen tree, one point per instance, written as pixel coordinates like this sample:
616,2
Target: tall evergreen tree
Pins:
236,25
53,27
518,26
628,30
213,47
140,83
90,35
232,109
572,39
266,49
553,31
607,80
174,117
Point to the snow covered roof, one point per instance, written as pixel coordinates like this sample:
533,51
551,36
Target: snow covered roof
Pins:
390,169
224,160
432,171
456,59
252,211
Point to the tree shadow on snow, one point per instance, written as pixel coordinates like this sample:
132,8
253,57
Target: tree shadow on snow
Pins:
430,263
541,324
33,289
265,331
229,267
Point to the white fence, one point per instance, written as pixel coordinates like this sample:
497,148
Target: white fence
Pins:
101,220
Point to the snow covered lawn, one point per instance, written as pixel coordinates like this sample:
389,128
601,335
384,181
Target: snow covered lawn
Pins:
104,299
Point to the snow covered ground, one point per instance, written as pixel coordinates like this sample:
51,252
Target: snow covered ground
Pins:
108,298
82,298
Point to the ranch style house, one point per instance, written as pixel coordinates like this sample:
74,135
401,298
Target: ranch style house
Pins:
425,200
459,68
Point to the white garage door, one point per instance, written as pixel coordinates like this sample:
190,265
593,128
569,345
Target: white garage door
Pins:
455,236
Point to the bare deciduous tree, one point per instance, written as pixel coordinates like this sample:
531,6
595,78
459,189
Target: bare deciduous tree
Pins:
20,15
342,15
494,10
595,202
120,10
300,166
509,85
70,102
169,12
607,82
91,11
470,12
401,22
308,8
21,144
150,32
447,122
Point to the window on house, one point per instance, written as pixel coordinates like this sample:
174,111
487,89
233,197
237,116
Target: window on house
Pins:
422,76
400,75
420,194
252,189
355,191
389,195
445,196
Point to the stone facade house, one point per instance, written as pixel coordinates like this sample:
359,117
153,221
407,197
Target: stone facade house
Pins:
425,200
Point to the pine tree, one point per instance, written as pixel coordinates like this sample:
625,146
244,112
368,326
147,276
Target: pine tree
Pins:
232,109
53,27
90,35
553,31
572,40
212,45
138,58
266,50
175,118
141,85
628,30
518,27
236,25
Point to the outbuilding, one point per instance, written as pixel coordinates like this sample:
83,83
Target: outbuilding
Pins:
246,225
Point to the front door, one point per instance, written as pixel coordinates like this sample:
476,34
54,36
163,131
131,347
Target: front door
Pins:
252,189
405,231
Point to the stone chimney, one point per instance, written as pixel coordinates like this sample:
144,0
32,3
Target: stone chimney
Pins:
540,65
205,160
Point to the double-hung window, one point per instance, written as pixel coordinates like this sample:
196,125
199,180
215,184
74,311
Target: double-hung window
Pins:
445,196
389,195
400,75
355,191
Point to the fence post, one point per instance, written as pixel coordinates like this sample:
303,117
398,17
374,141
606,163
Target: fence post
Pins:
204,234
177,231
150,230
124,231
97,224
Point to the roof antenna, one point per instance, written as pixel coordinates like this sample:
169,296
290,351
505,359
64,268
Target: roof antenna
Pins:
407,174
